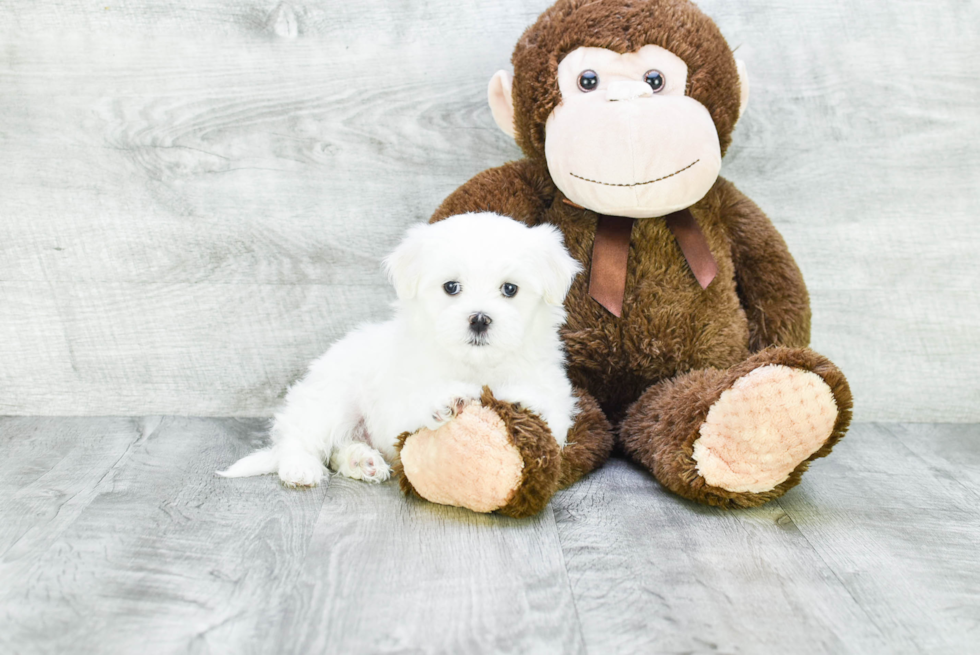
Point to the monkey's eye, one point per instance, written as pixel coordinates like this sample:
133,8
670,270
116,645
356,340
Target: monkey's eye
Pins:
588,81
656,80
452,287
509,290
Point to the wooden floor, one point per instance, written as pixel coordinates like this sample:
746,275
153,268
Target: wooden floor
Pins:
116,537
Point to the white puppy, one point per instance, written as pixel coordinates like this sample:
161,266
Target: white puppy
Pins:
479,303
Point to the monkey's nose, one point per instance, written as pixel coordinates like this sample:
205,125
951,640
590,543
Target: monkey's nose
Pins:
479,322
628,90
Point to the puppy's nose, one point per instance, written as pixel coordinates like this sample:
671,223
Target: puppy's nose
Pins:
479,322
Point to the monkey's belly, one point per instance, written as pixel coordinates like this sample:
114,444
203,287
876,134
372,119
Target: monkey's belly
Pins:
662,332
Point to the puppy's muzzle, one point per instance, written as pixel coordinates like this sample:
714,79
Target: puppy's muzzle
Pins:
480,323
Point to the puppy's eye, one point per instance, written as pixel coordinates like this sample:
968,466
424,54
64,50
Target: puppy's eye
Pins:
656,80
588,81
509,290
452,287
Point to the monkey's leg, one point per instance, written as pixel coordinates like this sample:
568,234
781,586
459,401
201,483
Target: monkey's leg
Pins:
496,457
590,441
743,436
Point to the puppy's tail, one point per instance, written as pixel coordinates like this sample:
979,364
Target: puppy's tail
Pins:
258,463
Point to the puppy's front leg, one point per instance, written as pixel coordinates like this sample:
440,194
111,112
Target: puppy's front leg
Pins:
432,405
445,411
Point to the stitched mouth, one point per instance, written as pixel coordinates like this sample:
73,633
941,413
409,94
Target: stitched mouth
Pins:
659,179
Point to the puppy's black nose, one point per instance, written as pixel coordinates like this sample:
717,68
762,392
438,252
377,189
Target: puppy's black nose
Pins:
479,322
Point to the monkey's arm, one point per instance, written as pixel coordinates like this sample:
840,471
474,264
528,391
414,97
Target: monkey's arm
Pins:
770,284
519,189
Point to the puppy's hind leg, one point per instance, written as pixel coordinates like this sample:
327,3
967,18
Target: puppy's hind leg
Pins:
299,468
305,430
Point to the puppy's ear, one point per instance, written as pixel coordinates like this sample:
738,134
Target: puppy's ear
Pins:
558,268
404,265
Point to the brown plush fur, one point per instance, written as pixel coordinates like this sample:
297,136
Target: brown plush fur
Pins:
676,346
541,455
662,426
589,441
547,468
669,324
398,471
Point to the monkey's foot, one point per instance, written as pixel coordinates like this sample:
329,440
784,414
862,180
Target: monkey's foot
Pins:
743,436
492,457
763,427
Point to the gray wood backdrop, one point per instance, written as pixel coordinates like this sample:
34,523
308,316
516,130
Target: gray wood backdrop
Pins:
195,194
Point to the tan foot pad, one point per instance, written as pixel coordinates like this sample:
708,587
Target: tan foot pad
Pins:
763,427
468,462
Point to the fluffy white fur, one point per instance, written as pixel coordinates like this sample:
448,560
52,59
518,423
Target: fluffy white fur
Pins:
417,369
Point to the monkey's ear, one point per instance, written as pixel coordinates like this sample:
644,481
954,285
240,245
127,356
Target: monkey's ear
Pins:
404,265
743,85
558,268
501,101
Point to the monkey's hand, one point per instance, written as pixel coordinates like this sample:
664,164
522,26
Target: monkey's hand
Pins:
493,457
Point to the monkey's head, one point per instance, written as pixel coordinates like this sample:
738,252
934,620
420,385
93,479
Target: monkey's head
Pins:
629,103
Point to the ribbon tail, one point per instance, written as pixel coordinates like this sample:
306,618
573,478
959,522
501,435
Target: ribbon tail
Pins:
610,255
694,246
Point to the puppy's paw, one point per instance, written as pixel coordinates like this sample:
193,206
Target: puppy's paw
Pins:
360,461
300,470
442,414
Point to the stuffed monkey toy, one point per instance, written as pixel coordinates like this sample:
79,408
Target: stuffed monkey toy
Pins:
687,334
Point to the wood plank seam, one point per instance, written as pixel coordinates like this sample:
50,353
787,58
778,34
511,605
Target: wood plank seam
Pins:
969,488
568,579
878,628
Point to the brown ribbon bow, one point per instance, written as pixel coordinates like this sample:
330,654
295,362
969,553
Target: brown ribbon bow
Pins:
610,255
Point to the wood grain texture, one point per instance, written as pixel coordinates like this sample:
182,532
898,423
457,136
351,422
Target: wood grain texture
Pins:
901,536
163,556
653,573
219,346
388,575
874,552
184,181
50,472
116,537
950,451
